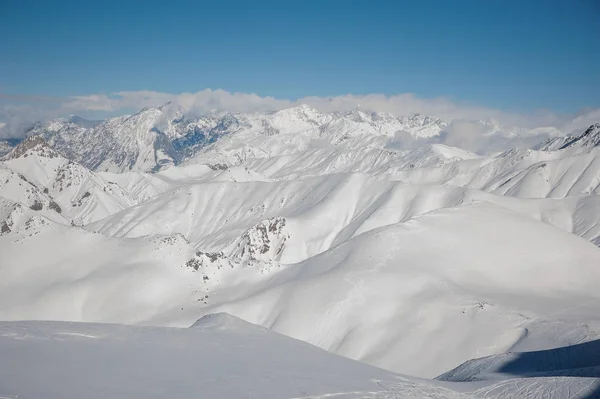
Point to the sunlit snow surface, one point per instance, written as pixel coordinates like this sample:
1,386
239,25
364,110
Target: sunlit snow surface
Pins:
311,225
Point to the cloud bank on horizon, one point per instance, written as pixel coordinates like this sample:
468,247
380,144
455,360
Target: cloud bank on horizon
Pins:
18,112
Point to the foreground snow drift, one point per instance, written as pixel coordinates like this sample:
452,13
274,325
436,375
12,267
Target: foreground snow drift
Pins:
220,356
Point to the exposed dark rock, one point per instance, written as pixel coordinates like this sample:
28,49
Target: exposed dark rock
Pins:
4,228
200,258
218,166
55,207
37,206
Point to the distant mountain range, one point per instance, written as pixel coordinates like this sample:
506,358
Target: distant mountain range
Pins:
155,138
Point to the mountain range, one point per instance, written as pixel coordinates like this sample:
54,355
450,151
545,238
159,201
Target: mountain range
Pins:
156,138
424,259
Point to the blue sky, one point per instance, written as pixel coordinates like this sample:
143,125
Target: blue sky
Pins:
506,54
526,62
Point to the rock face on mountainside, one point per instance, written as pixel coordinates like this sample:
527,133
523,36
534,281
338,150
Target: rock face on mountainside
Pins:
263,242
261,246
117,145
16,187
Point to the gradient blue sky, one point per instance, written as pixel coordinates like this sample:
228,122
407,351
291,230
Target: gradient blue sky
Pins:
512,55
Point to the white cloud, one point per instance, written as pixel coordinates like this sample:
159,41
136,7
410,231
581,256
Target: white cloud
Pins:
200,102
94,102
16,118
479,138
401,104
208,100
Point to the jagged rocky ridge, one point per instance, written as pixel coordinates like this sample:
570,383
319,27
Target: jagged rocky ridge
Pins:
153,138
156,138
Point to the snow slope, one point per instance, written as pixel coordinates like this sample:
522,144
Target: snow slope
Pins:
467,280
222,358
582,360
321,211
58,272
420,297
218,357
519,173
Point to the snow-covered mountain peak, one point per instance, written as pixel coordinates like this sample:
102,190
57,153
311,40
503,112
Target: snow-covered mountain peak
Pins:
588,139
296,119
83,122
41,178
422,126
130,142
358,115
223,321
164,106
33,145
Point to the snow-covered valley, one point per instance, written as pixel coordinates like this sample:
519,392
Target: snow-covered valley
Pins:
316,226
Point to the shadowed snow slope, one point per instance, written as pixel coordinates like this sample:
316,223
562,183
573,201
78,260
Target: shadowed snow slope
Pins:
581,360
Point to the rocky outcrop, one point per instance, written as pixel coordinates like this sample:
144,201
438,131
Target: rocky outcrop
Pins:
32,145
263,243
